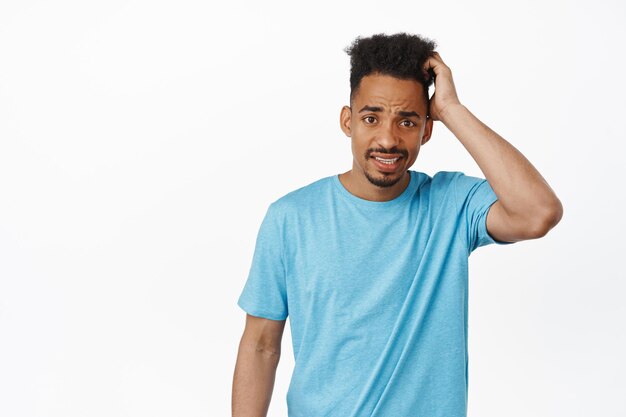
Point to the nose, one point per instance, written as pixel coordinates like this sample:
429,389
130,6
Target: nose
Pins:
388,136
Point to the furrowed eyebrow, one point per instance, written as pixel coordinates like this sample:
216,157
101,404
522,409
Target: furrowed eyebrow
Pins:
400,113
370,108
408,114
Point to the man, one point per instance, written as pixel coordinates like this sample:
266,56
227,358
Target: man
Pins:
371,265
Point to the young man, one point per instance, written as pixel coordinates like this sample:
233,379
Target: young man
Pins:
371,265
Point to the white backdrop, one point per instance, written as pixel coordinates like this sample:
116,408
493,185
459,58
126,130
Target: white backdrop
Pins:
142,141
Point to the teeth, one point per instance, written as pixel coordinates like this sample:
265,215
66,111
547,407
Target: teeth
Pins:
386,161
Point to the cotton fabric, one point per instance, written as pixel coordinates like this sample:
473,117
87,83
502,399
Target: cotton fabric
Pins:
376,294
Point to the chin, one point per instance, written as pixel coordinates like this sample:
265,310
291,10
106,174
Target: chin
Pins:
384,180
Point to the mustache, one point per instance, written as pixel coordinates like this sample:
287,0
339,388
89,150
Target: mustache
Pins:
392,151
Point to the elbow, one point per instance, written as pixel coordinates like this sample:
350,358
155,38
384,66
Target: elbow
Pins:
549,218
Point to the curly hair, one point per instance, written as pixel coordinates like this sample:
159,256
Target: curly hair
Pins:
400,55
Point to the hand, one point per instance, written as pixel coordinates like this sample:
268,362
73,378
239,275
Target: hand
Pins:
445,92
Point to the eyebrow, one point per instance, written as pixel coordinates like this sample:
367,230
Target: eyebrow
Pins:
402,113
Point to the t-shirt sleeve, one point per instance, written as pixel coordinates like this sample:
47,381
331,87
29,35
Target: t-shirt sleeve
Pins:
476,198
265,294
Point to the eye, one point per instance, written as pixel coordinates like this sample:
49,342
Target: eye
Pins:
369,119
410,123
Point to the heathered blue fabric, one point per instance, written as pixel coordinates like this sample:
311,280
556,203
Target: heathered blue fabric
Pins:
376,294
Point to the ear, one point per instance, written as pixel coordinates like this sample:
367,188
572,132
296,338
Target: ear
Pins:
428,130
345,119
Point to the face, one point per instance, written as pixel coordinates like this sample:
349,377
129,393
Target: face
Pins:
387,125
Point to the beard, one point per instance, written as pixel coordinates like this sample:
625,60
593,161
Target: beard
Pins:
384,181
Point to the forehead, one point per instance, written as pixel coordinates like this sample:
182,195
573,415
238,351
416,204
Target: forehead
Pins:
389,91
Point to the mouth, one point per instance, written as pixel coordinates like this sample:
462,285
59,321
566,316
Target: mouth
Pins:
389,163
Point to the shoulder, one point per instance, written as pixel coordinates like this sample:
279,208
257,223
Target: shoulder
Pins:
443,182
457,181
440,178
301,198
443,178
454,187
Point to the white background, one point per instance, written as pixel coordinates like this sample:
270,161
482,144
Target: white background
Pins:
142,141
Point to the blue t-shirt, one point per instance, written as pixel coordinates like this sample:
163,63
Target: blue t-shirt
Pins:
376,293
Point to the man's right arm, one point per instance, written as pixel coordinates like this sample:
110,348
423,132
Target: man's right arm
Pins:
255,370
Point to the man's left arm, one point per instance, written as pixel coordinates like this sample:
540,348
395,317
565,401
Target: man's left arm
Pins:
527,208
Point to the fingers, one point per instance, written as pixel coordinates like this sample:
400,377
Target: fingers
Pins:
430,68
434,65
435,55
434,60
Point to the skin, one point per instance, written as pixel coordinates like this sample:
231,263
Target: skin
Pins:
255,368
378,127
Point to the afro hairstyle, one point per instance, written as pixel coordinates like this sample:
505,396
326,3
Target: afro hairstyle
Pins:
400,55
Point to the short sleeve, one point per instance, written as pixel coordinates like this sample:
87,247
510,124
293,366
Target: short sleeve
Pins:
264,294
476,198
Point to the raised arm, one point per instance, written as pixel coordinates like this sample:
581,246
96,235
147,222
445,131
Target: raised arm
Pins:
255,370
527,208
